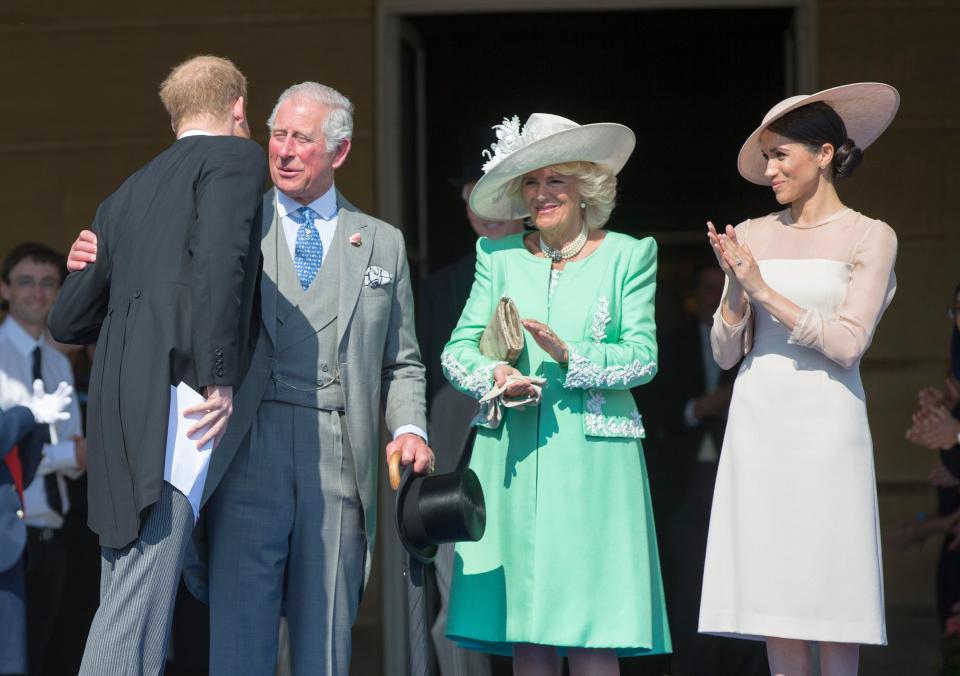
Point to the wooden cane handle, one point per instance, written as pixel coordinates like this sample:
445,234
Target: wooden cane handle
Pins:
394,469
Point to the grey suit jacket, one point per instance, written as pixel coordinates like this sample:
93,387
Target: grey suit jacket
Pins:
378,357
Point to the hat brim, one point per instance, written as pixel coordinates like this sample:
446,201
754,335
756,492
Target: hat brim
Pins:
866,108
606,144
423,554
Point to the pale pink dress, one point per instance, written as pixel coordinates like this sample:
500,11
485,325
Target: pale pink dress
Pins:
794,543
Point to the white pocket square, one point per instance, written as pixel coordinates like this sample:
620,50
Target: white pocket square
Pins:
375,277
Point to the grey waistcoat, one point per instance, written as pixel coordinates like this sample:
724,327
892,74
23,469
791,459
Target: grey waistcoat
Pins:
304,369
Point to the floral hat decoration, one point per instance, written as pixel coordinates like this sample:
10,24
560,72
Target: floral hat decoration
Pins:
544,141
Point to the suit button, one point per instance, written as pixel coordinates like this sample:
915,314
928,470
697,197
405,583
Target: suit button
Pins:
137,294
324,368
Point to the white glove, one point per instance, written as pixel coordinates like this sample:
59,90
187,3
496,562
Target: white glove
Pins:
49,408
493,402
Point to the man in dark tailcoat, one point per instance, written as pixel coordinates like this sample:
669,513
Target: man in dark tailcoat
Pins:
169,299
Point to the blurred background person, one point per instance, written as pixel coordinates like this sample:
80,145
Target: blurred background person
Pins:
935,426
30,281
685,408
450,413
23,432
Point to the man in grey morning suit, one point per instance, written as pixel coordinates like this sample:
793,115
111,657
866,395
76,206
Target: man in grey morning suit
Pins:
170,298
297,502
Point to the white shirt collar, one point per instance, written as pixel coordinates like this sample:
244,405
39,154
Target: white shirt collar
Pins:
193,132
325,205
21,340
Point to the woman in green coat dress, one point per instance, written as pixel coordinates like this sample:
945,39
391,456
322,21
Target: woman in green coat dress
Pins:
568,563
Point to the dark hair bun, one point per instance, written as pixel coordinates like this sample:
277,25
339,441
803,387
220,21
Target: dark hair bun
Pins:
846,158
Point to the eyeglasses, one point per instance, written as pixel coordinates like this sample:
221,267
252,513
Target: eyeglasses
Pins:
45,284
953,311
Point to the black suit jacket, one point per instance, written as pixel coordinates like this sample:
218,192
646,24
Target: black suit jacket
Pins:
169,299
441,299
671,447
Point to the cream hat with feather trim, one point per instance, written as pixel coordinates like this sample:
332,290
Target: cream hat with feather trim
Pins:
544,141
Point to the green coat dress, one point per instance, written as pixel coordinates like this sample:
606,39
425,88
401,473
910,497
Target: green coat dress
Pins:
569,557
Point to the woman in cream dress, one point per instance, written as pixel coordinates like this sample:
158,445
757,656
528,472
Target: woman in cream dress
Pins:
793,554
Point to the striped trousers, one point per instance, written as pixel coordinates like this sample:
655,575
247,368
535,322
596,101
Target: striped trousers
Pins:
138,587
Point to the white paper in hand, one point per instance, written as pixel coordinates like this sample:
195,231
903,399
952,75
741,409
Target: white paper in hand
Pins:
185,465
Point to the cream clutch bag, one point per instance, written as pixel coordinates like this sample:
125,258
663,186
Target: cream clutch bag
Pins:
503,338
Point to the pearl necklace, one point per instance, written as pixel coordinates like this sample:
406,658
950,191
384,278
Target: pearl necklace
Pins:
569,251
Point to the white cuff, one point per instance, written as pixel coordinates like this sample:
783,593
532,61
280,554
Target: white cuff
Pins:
412,429
58,457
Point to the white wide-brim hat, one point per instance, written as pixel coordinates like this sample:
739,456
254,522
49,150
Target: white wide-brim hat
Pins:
866,108
545,140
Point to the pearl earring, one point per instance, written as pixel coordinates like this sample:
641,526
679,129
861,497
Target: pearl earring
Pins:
583,205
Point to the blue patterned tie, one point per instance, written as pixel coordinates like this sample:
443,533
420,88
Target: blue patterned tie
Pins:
308,252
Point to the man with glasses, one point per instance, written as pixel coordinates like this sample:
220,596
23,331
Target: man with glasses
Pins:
30,281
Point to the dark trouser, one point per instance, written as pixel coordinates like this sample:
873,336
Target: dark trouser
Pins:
13,621
696,654
46,574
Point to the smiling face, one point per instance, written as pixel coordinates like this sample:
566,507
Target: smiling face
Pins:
31,292
552,199
793,170
300,165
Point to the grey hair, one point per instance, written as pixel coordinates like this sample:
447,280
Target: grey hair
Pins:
338,122
597,188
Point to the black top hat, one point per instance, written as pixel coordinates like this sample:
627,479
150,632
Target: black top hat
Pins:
439,508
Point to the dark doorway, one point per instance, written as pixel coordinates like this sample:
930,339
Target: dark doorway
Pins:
692,84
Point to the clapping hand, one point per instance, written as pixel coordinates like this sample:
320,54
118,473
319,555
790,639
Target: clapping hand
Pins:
50,408
934,428
736,260
548,340
940,477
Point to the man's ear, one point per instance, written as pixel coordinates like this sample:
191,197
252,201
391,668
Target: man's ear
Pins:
240,110
340,154
4,292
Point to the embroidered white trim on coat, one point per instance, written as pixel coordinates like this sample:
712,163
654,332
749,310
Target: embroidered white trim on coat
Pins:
477,383
600,320
583,373
598,424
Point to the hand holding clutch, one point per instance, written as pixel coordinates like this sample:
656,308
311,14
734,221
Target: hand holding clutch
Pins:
496,399
503,338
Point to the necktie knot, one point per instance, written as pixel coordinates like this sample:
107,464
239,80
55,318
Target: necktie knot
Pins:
304,216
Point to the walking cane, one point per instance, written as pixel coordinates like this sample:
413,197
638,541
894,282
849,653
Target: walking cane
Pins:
430,510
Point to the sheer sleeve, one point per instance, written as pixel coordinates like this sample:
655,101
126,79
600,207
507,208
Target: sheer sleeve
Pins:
845,336
730,342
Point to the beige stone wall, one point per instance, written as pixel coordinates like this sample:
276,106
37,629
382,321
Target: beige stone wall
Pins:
80,110
908,179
